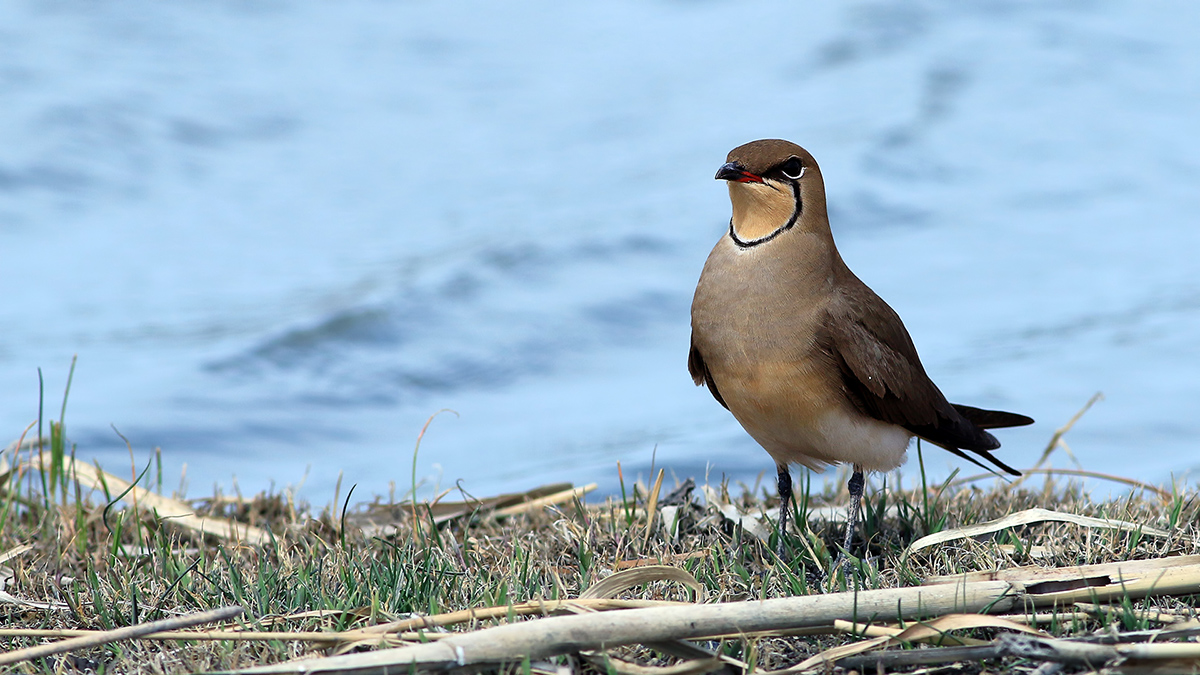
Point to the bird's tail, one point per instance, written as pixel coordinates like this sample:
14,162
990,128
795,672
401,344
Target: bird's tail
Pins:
992,419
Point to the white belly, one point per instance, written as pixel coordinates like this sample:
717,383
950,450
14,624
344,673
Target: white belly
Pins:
835,436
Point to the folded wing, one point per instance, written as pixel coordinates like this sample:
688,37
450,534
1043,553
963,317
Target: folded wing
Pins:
883,376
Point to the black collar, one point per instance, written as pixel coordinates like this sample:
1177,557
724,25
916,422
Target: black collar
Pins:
799,206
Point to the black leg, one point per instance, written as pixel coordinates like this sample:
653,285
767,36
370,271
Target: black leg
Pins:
856,492
784,485
855,486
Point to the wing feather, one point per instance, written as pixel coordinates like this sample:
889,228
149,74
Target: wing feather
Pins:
883,376
701,374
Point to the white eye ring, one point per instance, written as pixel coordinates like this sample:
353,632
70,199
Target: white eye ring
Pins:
797,176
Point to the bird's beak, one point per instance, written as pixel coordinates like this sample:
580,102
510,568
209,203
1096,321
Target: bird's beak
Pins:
733,171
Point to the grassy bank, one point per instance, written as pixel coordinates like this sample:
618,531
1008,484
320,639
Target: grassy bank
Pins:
84,551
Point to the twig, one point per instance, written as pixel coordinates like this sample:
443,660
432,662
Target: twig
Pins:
1022,646
1047,617
1073,652
914,657
127,633
1071,472
1063,586
535,504
1062,431
19,549
872,630
677,558
607,662
1060,651
1148,615
217,635
1188,630
502,611
921,631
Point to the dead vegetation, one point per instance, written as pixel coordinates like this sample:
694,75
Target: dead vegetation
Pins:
88,553
487,585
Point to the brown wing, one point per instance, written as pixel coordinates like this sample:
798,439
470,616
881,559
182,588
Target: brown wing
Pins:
883,376
701,374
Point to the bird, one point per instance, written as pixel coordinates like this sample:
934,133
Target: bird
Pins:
815,366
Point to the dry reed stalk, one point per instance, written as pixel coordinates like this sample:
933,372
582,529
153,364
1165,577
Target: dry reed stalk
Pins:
549,500
1065,586
120,634
15,551
1079,473
217,635
606,663
1089,609
642,562
1047,617
1141,658
974,593
568,634
875,630
1056,440
1027,517
504,611
165,508
935,630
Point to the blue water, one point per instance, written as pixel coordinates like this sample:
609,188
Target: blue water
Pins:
280,235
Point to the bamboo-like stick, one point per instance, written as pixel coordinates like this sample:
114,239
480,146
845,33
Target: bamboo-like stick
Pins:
872,661
1086,654
1064,586
1149,615
230,635
871,630
666,560
568,634
987,592
502,611
541,502
1047,617
127,633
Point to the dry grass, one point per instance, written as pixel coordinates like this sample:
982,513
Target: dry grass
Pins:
94,563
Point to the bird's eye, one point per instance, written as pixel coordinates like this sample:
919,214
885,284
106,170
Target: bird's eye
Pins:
792,168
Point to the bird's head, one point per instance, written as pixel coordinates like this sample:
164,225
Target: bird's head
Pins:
771,185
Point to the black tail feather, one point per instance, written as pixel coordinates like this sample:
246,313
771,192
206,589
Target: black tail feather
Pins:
982,453
992,419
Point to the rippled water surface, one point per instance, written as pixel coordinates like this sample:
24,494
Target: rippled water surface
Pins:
280,235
